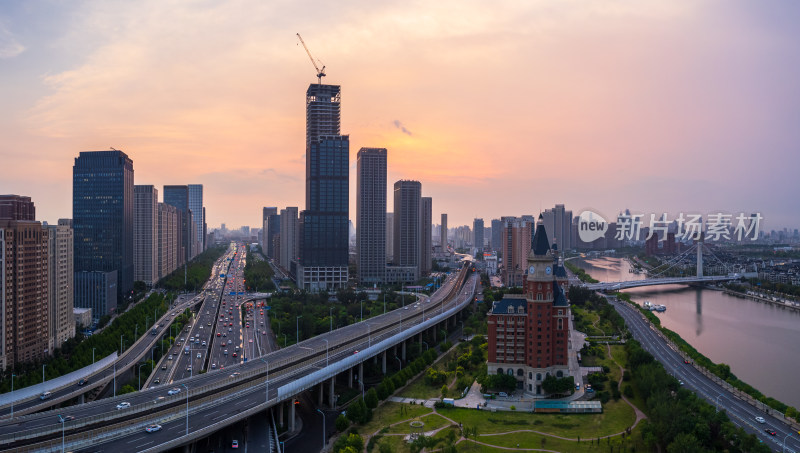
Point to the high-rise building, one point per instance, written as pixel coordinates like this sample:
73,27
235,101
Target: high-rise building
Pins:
61,280
198,217
324,224
168,249
389,237
24,284
270,226
288,237
443,233
425,235
145,234
407,224
178,196
497,233
516,237
477,233
371,215
17,207
558,224
25,296
543,310
102,220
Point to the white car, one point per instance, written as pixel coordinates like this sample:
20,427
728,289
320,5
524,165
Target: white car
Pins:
760,420
174,391
153,428
123,405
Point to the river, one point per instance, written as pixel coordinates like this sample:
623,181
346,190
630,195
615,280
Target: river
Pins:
759,341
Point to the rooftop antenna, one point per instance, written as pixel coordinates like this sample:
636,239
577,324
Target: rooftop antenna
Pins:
320,72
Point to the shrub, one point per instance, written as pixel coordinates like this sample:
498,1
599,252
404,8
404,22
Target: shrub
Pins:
342,423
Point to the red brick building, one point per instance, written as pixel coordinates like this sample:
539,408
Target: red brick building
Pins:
529,333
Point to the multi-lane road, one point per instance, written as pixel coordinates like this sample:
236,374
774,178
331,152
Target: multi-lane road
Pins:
741,413
218,337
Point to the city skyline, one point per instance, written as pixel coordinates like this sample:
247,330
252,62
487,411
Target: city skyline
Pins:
652,106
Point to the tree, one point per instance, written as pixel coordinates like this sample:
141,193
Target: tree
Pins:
684,443
371,399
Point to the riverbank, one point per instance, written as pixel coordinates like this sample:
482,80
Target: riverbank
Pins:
757,298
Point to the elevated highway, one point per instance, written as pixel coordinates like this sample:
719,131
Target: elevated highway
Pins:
216,399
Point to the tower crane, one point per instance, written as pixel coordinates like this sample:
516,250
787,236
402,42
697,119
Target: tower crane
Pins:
320,72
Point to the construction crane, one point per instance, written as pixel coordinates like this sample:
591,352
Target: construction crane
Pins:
320,72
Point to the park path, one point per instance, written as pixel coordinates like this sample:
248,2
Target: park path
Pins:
639,414
639,417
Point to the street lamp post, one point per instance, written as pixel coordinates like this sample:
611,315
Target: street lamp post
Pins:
120,345
93,355
717,402
115,379
784,442
323,428
140,374
297,329
399,362
426,345
330,317
362,311
43,365
187,408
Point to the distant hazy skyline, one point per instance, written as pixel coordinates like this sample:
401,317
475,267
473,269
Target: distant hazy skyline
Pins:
498,109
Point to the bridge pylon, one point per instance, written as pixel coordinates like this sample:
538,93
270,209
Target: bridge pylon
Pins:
700,257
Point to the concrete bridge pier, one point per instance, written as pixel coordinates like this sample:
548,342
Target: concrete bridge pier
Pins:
404,351
361,372
291,415
82,398
383,362
321,394
350,378
331,396
375,359
280,414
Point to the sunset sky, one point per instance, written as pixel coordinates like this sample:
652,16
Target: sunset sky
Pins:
498,108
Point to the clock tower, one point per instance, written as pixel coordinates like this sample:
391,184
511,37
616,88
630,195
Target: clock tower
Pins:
546,334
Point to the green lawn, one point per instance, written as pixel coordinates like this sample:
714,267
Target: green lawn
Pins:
616,417
390,413
432,421
397,444
538,441
420,390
